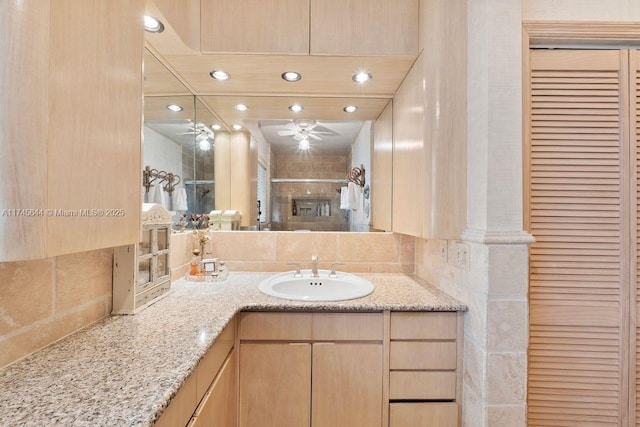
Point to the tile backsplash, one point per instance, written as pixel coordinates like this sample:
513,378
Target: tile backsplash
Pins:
44,300
271,251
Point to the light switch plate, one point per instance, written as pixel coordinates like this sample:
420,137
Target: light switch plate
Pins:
444,251
462,253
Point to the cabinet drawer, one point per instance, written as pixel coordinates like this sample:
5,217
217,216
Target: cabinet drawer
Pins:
275,326
421,326
422,385
347,326
212,361
423,414
423,355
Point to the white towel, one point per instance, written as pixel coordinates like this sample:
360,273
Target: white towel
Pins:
343,198
352,195
179,199
157,195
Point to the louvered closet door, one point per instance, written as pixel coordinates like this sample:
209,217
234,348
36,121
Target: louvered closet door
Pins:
634,66
578,284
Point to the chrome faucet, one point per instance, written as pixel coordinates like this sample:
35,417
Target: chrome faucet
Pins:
314,266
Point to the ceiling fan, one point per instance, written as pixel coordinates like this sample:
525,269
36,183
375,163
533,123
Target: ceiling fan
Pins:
198,129
304,129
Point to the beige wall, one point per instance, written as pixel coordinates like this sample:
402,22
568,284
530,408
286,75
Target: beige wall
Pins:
581,10
44,300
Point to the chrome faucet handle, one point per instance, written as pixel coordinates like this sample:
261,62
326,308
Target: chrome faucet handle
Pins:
333,273
314,266
297,274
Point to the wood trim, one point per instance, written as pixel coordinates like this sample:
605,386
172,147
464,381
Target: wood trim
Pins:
634,133
385,367
460,364
588,32
526,131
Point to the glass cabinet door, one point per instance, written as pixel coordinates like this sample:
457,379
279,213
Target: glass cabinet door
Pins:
163,266
144,274
162,238
145,243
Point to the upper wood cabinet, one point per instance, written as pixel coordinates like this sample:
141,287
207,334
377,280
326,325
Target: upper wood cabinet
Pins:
71,137
429,131
364,27
255,26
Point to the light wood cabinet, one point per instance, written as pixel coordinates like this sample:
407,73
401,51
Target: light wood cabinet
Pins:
71,138
255,26
429,154
218,407
347,384
275,384
423,414
364,27
275,377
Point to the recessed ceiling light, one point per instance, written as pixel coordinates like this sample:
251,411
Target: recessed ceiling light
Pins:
216,127
152,25
361,77
219,75
350,109
241,107
237,127
291,76
303,145
296,108
174,107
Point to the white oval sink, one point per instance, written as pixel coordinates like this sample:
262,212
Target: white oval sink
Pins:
324,288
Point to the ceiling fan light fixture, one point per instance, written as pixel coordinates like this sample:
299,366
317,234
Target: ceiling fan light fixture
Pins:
361,77
204,144
174,107
241,107
219,75
303,145
350,109
291,76
237,127
296,108
152,24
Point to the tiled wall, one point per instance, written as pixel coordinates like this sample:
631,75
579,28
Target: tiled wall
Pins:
271,251
494,288
42,301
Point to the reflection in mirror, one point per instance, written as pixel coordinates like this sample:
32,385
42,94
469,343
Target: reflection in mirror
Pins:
178,140
292,169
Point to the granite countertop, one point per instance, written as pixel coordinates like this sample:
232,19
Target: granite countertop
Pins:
124,370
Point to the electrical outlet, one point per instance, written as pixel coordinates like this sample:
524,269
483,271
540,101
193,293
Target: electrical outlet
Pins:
462,255
444,251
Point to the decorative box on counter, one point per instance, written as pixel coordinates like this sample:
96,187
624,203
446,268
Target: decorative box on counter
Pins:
224,220
142,272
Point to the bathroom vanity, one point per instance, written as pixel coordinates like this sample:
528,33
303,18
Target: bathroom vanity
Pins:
225,354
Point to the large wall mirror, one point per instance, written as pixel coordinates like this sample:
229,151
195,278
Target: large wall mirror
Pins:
299,163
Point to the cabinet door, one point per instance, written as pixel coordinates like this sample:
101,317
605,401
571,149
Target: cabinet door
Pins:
275,384
255,26
219,407
364,27
347,384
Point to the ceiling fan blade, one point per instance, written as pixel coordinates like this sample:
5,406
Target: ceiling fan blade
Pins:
286,132
298,137
323,129
317,138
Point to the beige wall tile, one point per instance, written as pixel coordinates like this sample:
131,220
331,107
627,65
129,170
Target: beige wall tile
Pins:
506,378
381,247
83,277
508,266
507,416
26,293
474,409
475,368
292,246
44,333
180,249
244,246
507,325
